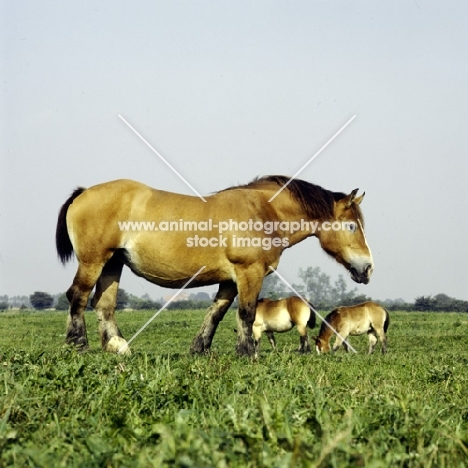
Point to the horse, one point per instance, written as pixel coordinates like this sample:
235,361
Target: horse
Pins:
368,317
167,238
281,316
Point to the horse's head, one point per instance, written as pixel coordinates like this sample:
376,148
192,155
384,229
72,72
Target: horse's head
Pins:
321,346
343,238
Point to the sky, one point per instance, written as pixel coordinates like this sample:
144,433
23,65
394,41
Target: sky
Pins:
227,91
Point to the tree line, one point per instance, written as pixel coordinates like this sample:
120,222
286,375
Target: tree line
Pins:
315,285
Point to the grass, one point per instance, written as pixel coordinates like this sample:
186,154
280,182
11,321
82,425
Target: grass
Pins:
164,407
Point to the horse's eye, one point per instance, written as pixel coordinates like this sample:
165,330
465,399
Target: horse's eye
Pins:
352,227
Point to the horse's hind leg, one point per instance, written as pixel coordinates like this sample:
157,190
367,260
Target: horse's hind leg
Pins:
383,340
104,302
226,294
271,339
372,340
78,295
304,339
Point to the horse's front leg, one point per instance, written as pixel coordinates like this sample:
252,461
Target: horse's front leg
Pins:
226,294
340,340
249,283
245,319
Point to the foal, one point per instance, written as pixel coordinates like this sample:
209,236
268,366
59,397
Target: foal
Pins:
281,316
368,317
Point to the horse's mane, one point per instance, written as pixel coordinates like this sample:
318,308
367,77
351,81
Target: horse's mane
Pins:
315,200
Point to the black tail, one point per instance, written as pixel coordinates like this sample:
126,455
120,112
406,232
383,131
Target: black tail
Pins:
62,239
312,319
387,320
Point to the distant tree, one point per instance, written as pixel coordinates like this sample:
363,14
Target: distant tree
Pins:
41,300
300,288
133,301
200,296
62,302
317,286
396,304
444,303
353,300
442,299
459,305
17,301
148,304
273,288
189,305
339,294
3,305
424,303
142,303
440,303
122,299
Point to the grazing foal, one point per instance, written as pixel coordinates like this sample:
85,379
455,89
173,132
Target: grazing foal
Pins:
368,317
280,316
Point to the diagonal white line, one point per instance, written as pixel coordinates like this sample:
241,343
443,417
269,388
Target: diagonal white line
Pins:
312,158
125,346
160,157
312,307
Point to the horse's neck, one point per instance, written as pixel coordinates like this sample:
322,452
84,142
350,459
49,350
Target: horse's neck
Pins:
325,332
297,219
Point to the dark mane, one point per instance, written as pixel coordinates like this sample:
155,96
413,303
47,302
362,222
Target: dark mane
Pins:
328,321
315,200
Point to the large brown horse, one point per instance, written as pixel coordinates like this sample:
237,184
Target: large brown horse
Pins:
237,235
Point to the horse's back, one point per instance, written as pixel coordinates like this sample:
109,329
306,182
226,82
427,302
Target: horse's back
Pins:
363,317
138,199
378,315
352,320
109,199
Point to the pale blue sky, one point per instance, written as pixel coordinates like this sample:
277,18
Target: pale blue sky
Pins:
230,90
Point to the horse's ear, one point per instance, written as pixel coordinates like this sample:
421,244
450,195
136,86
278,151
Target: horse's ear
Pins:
351,198
358,200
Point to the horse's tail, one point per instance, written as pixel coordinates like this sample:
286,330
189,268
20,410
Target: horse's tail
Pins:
387,320
312,318
62,239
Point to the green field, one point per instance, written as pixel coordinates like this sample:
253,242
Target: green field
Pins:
164,407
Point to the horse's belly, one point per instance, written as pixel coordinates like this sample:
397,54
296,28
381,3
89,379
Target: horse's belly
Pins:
279,324
360,329
164,268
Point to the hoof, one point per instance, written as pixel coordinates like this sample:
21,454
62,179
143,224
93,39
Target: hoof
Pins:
198,346
118,345
79,342
78,348
198,352
246,348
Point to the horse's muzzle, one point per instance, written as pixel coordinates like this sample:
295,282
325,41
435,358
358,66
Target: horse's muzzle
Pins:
362,276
